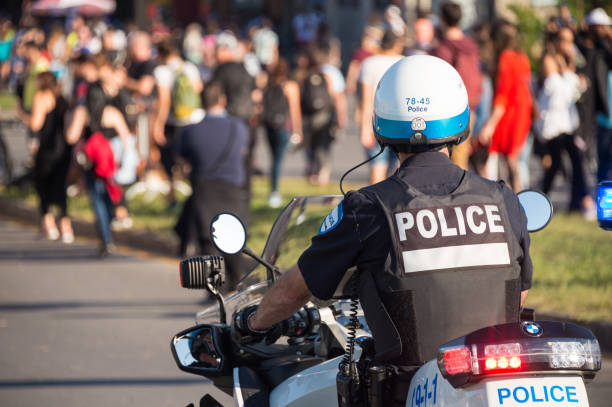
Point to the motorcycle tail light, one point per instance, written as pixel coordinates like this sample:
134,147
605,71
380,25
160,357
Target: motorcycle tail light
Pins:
486,352
457,360
502,357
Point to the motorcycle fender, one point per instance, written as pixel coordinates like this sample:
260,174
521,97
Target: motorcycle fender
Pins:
429,388
315,386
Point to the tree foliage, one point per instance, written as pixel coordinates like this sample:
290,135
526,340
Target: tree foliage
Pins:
531,30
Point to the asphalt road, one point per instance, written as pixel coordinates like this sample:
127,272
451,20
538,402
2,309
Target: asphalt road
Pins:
76,330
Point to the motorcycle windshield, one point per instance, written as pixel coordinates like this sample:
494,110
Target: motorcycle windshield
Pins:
289,237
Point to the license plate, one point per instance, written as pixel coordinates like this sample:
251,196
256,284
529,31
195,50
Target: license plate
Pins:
537,392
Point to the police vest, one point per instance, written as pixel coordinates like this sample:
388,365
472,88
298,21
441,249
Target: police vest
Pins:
452,268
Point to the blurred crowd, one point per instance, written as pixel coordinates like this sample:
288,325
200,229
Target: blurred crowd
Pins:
117,105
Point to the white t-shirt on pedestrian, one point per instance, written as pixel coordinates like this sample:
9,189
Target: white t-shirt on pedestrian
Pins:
265,42
557,104
164,76
338,84
373,68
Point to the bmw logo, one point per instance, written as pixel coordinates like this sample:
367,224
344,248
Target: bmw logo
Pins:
532,328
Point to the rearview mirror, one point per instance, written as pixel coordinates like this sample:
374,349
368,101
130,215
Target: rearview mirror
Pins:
199,350
228,233
537,207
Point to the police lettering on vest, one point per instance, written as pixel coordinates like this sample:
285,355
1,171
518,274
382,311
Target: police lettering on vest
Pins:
451,237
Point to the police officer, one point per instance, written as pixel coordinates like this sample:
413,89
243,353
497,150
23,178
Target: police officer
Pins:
440,251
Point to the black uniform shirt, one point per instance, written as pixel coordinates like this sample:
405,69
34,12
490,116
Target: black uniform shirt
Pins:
361,236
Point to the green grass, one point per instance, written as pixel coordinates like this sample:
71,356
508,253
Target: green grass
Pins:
572,257
155,216
572,261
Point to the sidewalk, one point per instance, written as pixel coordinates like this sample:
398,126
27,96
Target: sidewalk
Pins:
135,238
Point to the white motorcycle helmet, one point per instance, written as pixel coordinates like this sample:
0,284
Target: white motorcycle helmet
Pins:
421,104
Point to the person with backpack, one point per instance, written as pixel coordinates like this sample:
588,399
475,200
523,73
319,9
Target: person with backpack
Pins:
178,87
281,116
320,109
463,53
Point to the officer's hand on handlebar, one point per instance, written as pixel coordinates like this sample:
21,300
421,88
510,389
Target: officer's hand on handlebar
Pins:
244,335
303,323
241,331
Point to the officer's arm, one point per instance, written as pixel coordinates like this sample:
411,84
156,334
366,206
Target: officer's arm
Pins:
285,298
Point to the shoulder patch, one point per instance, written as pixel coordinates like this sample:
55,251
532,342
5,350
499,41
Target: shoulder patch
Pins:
332,219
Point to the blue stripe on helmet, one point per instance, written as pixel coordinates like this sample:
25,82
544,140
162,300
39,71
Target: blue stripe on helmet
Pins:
436,129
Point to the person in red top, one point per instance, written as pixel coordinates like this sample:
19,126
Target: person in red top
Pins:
506,130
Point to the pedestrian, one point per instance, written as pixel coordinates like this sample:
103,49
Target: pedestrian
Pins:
192,44
416,283
37,63
424,35
305,25
88,43
215,149
600,75
140,80
558,117
51,155
138,95
372,69
179,103
506,129
394,22
238,86
478,157
462,52
94,124
318,105
281,117
7,37
265,44
231,74
370,42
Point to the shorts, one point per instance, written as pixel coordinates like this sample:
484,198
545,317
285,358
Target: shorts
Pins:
388,157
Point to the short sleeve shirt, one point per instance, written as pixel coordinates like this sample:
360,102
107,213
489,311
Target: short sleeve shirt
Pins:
373,68
164,74
164,77
137,70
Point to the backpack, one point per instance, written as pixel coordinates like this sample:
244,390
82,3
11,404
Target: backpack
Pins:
184,98
275,107
315,94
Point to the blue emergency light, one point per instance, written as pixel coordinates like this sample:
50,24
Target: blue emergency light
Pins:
604,205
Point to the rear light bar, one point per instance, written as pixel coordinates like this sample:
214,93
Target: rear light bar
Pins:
519,347
457,360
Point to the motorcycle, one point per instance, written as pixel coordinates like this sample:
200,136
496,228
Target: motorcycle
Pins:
326,354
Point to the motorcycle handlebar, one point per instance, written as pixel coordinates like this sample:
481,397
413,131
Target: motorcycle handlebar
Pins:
305,322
